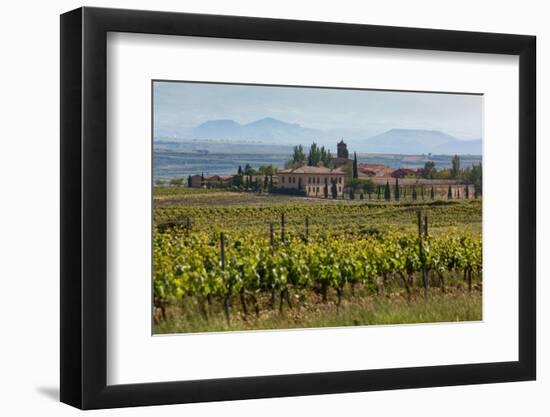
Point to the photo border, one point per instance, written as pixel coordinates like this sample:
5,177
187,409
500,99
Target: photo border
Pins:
83,311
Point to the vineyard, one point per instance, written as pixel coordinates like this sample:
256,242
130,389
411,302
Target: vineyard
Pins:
224,266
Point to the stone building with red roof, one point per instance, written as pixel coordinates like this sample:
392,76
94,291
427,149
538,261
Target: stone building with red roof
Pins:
312,180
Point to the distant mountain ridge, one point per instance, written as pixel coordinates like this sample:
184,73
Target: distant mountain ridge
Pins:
420,141
273,131
267,129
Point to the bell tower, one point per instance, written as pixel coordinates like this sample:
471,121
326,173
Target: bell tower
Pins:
343,150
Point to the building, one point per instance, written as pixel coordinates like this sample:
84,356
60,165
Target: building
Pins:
342,155
314,181
374,170
342,150
196,181
216,180
405,172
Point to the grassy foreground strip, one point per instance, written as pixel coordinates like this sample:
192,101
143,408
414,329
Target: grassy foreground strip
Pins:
455,305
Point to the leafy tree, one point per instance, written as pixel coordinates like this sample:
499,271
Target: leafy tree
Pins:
429,170
249,172
455,170
238,180
368,186
316,155
159,183
365,185
298,157
176,182
473,175
267,170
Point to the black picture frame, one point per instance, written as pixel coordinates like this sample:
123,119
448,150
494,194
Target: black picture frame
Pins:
84,207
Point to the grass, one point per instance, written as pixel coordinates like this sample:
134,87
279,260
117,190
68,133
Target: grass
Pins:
455,305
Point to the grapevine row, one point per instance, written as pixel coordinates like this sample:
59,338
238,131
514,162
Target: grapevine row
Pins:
212,266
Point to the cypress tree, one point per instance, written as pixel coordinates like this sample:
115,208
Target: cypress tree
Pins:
414,195
387,192
189,181
334,190
351,194
397,193
449,193
325,188
355,171
379,192
432,193
240,170
467,191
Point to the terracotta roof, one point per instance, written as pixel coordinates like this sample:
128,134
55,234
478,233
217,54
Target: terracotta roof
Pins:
311,170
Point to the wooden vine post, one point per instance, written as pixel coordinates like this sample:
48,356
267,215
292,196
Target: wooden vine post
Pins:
423,228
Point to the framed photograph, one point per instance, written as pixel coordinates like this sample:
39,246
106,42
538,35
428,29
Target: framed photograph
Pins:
257,208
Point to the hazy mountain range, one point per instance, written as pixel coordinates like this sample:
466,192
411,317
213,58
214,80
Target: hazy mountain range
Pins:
276,132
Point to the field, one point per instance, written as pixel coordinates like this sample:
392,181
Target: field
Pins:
240,261
180,159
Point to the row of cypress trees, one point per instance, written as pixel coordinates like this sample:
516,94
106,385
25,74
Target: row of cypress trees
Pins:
386,190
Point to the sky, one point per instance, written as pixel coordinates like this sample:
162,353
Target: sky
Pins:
187,105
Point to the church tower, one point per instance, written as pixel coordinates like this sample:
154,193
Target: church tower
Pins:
343,150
